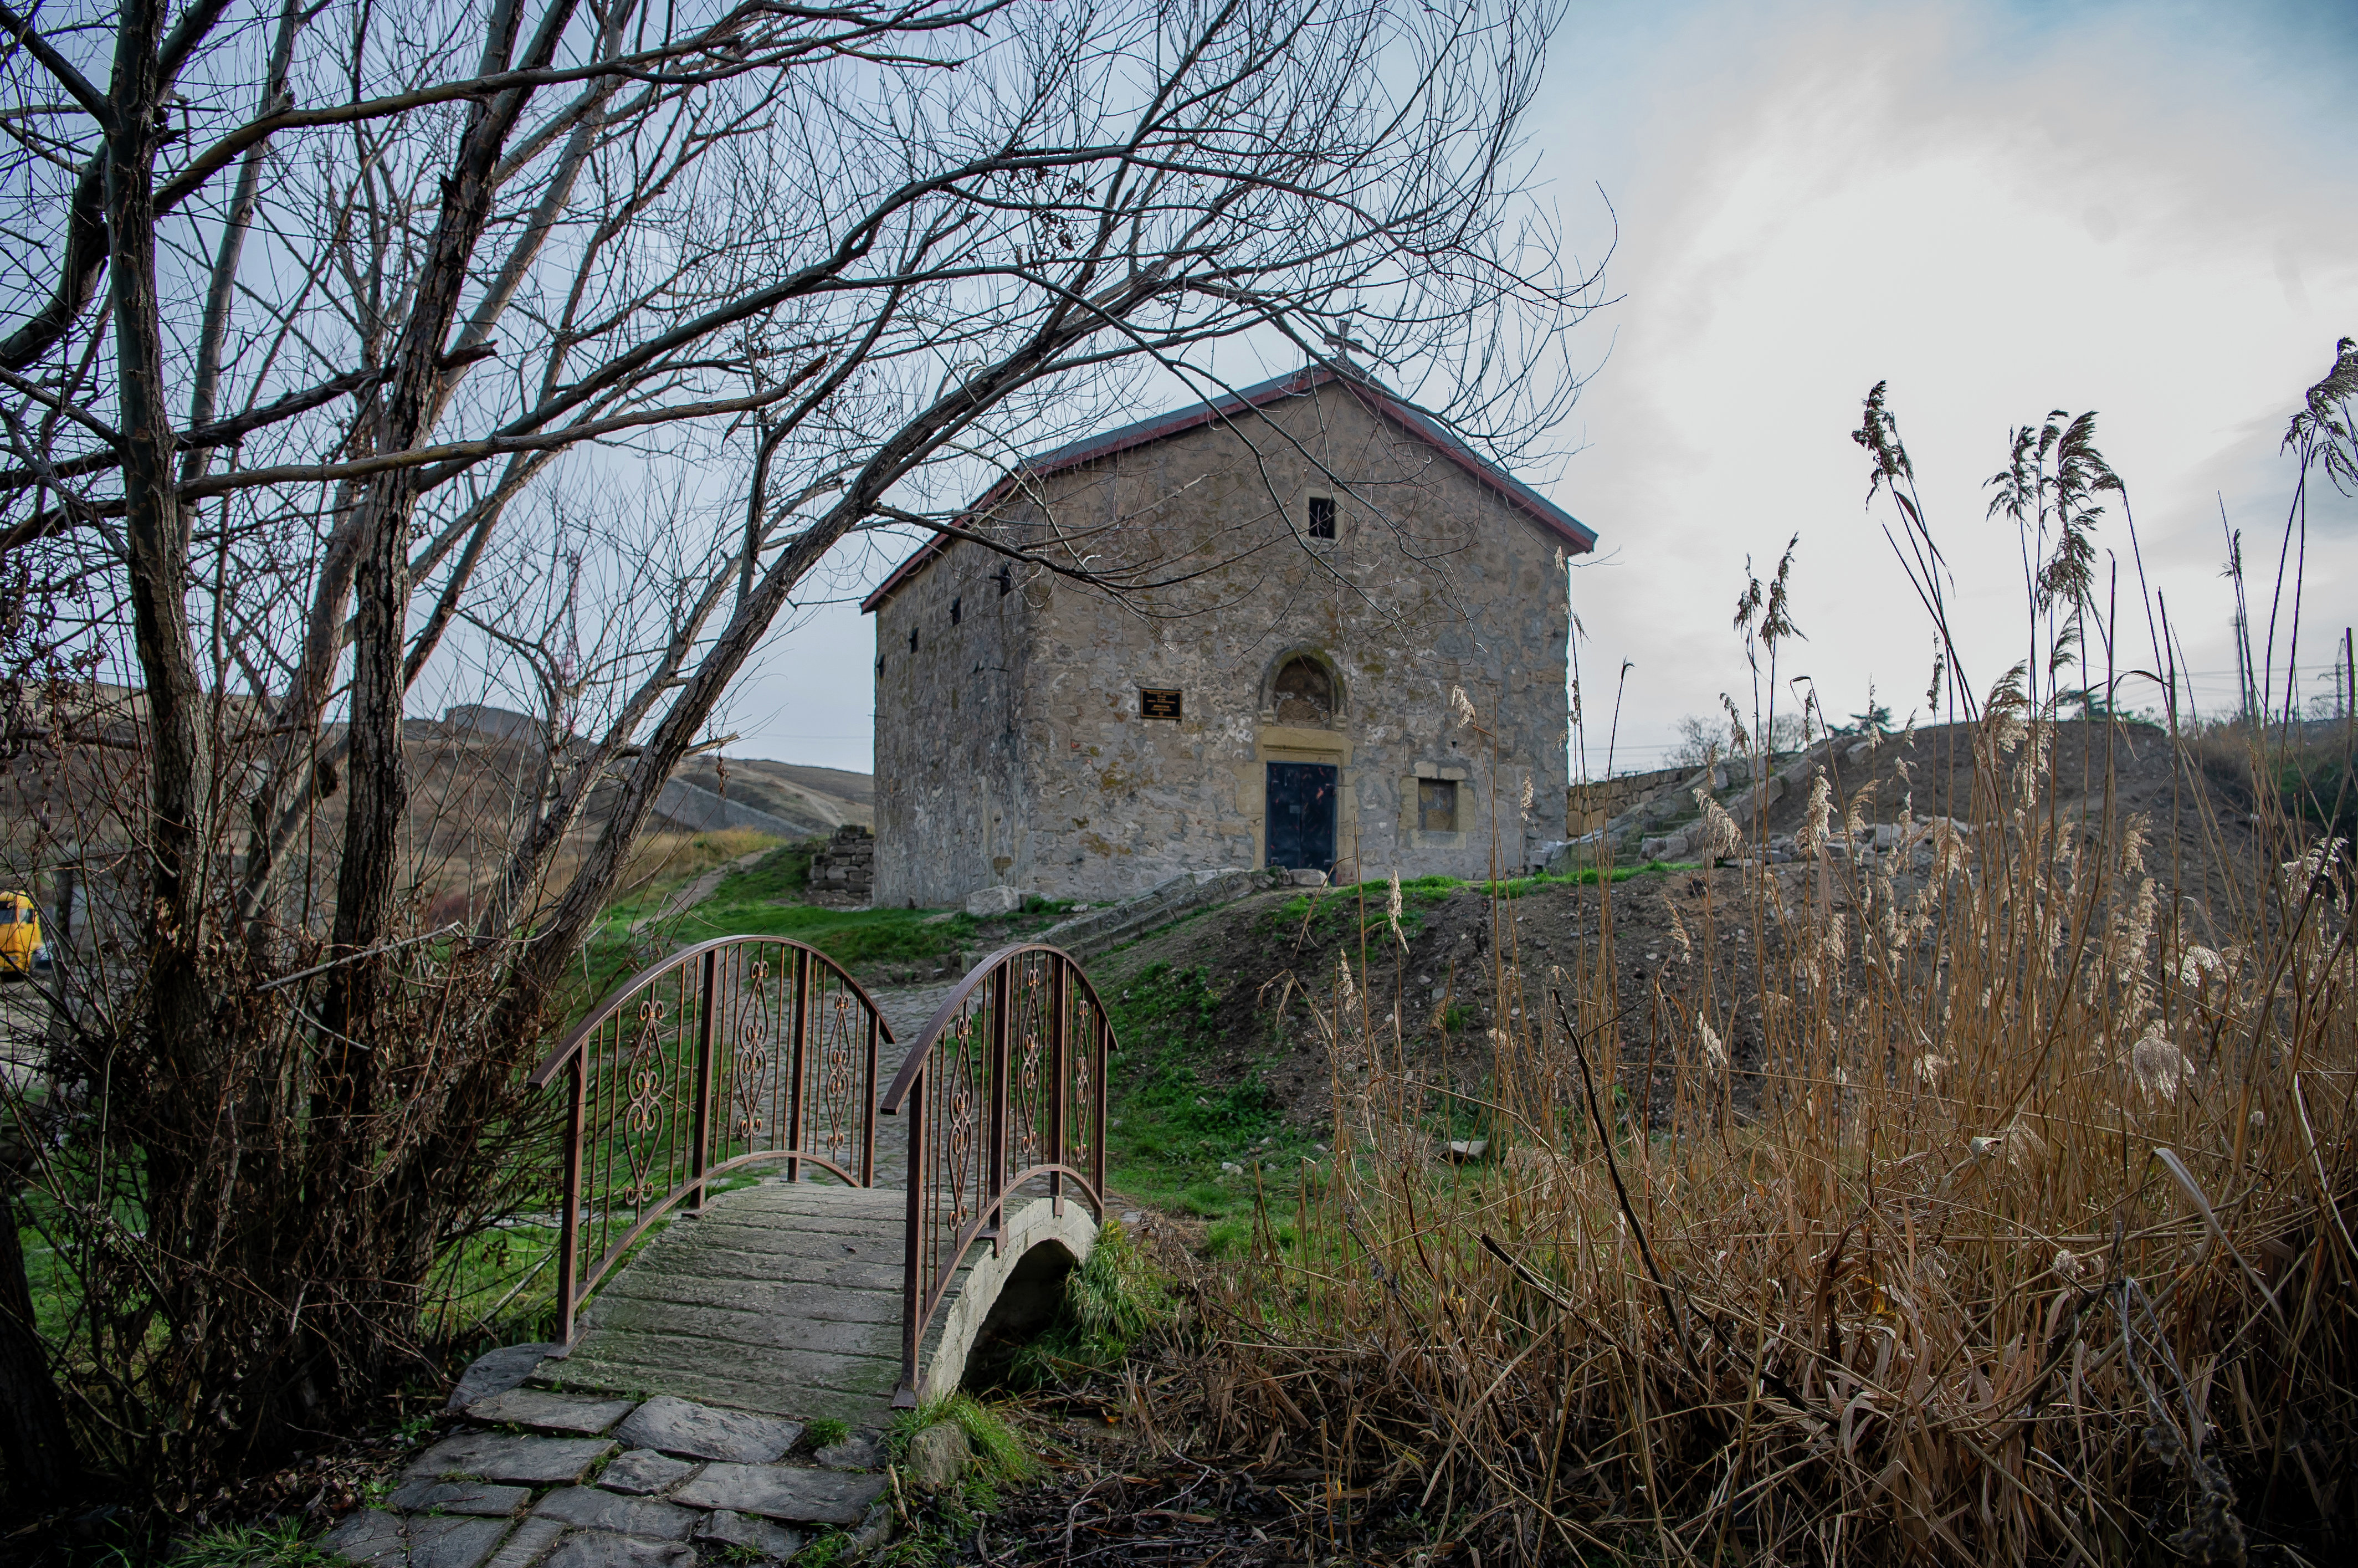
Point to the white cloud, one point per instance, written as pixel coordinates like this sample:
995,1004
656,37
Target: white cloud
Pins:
2150,211
2153,223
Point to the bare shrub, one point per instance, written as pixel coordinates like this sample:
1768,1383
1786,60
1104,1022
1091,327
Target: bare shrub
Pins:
551,349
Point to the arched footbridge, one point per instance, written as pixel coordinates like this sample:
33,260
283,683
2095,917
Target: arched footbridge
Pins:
907,1199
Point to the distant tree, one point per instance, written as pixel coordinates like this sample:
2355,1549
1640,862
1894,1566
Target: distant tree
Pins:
1700,742
2094,703
1876,721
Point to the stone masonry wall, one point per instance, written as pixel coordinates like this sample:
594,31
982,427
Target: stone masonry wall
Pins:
948,777
1432,583
846,867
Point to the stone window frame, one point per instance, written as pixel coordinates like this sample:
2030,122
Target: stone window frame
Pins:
1425,811
1418,838
1340,722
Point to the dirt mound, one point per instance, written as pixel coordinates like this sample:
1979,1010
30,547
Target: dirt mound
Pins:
1669,939
1264,955
2194,802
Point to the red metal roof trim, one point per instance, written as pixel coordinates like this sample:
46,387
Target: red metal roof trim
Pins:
1575,535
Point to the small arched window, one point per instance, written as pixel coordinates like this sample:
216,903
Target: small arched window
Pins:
1305,694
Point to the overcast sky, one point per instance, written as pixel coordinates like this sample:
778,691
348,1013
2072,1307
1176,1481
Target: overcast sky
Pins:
2148,210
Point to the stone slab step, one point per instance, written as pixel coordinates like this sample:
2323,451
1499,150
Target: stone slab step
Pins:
724,1493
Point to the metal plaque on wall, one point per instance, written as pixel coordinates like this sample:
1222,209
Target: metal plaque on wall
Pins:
1157,703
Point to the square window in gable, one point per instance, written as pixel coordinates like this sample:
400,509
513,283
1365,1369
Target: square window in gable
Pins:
1321,516
1436,805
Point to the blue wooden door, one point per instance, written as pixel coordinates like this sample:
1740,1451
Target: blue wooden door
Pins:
1301,815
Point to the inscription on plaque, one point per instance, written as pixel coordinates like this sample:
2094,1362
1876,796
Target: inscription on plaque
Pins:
1157,703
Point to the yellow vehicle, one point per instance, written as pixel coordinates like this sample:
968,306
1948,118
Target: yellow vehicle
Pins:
20,934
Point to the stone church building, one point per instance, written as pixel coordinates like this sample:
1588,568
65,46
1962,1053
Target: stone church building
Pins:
1300,576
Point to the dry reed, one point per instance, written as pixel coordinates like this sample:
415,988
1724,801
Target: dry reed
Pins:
2029,1241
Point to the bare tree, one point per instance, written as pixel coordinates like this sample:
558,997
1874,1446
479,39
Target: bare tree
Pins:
379,281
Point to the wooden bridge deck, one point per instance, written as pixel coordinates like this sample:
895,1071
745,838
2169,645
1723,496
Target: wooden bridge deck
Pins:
785,1297
782,1298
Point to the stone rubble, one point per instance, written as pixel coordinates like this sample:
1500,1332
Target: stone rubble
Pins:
939,1457
984,903
697,1485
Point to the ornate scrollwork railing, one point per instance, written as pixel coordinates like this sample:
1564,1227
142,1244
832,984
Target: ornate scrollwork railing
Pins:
1005,1087
743,1051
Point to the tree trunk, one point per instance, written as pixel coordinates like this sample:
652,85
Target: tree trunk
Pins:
44,1470
377,782
180,1000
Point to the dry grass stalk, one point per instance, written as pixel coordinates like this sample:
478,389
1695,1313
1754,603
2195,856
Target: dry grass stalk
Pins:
2025,1245
2029,1241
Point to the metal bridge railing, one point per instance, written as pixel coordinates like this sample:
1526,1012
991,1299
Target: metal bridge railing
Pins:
742,1051
1005,1087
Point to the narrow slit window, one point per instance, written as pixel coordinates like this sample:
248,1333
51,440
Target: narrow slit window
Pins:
912,639
956,609
1436,805
1321,516
1006,581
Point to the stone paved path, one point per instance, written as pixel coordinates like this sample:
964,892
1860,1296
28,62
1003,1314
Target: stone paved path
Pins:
906,1009
544,1479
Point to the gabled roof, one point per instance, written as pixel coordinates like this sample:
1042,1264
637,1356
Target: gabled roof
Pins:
1576,538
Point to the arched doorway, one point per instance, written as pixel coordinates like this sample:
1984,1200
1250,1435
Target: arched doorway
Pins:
1302,810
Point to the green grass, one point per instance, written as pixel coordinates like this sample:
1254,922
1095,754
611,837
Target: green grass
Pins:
998,1453
1168,1134
1357,910
1109,1304
501,1285
2319,786
278,1544
765,899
